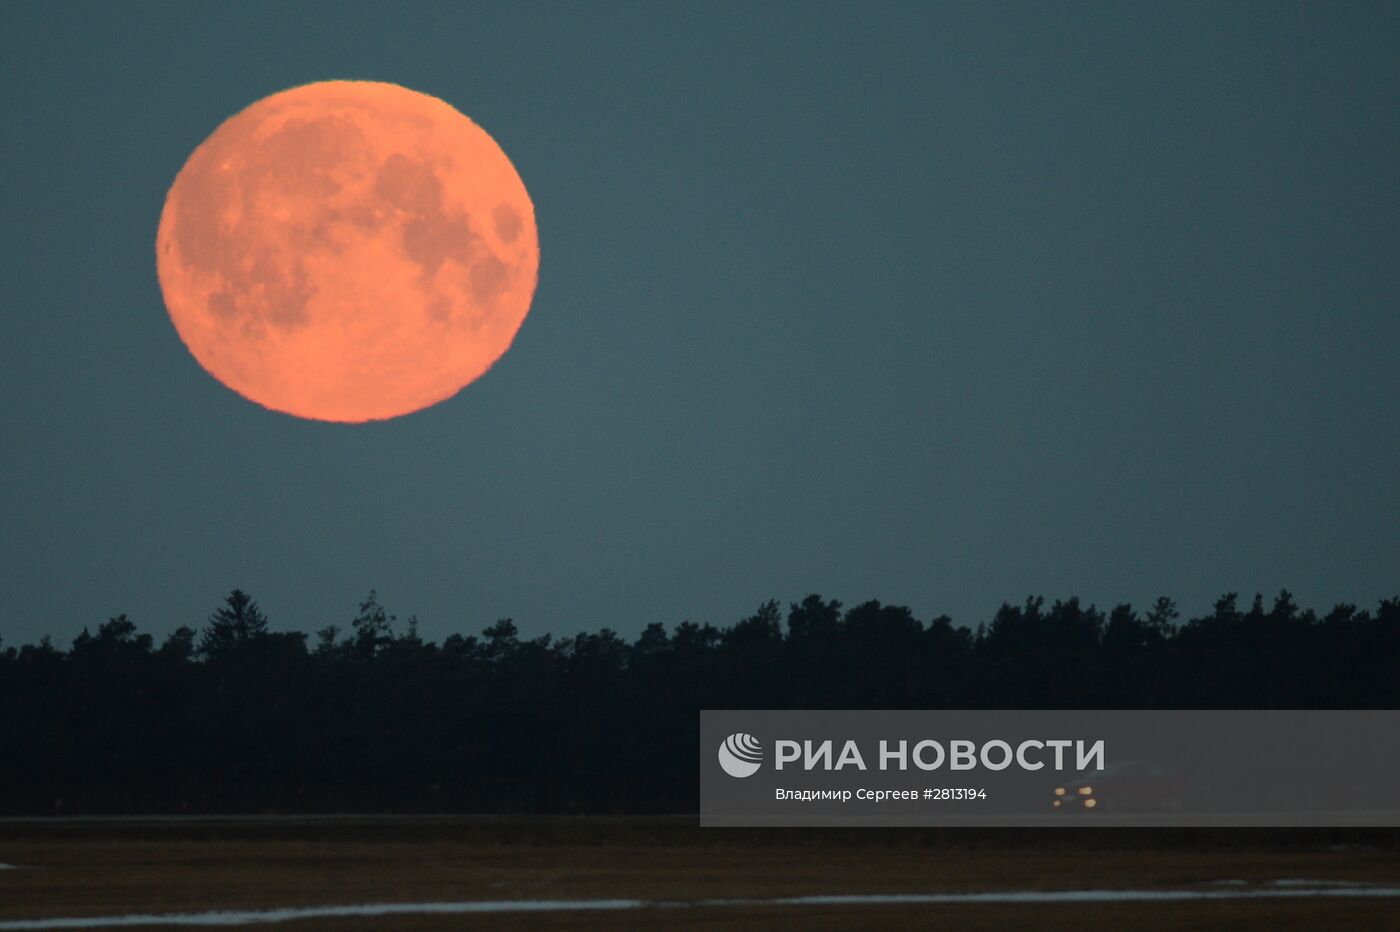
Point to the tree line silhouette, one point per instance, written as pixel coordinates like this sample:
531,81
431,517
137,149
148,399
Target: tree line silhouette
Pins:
237,717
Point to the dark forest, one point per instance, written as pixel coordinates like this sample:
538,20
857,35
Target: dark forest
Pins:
238,717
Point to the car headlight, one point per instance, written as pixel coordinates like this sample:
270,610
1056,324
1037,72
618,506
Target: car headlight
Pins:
1090,803
1059,791
1086,791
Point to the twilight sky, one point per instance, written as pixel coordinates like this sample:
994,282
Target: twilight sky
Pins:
937,304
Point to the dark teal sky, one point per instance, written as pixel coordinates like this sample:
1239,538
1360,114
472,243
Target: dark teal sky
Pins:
936,304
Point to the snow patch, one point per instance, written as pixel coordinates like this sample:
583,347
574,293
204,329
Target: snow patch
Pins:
1238,891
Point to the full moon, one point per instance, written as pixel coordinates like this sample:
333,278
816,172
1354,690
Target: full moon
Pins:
347,251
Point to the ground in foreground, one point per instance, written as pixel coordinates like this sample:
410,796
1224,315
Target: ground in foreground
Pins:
112,868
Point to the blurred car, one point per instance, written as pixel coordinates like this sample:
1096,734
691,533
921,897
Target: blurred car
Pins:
1132,785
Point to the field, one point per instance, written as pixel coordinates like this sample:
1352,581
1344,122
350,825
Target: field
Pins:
122,867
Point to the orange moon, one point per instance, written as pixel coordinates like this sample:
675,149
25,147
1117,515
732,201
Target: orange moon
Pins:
347,251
